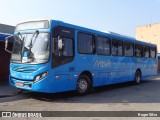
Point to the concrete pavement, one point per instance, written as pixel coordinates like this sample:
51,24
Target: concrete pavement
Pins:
6,90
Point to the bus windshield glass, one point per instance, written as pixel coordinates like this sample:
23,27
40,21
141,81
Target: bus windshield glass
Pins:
31,48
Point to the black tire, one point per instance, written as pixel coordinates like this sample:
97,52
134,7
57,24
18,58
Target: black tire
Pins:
19,91
83,85
137,79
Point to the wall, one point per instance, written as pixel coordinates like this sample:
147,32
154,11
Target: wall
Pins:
149,33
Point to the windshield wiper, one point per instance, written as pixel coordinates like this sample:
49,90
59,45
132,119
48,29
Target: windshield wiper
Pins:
21,42
35,35
31,44
21,39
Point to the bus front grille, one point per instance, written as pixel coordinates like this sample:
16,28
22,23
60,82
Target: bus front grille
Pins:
27,69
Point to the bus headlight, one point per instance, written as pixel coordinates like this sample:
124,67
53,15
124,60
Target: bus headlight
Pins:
40,77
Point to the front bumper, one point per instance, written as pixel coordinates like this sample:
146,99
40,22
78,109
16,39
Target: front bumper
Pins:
41,86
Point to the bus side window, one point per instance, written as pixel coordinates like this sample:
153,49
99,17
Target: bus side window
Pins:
128,49
146,51
138,50
117,47
152,52
55,46
103,46
85,43
67,49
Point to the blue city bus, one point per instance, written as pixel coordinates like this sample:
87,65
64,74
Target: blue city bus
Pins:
52,56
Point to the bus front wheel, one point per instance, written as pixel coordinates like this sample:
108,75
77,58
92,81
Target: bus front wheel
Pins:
83,85
137,77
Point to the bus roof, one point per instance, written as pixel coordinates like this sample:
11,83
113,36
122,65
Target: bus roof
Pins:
33,20
110,34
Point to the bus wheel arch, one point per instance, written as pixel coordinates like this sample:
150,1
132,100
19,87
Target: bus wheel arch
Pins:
138,77
84,83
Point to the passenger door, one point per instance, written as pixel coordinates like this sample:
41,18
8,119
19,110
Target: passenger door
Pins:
62,57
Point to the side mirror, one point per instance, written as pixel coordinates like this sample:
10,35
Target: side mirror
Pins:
60,43
6,44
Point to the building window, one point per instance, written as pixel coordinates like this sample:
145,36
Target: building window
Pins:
128,49
103,46
85,43
117,47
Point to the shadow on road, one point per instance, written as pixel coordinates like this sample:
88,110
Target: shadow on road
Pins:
147,92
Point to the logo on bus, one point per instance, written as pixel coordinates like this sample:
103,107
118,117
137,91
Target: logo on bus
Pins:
98,62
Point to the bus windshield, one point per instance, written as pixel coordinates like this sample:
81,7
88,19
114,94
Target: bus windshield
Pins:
31,48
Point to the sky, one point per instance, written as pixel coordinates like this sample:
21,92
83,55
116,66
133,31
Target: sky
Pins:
120,16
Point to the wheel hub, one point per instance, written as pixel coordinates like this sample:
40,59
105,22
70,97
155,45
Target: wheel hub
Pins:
82,85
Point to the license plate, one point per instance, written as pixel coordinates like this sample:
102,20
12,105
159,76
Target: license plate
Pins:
19,84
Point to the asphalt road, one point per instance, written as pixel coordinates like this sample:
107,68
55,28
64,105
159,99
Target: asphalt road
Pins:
120,97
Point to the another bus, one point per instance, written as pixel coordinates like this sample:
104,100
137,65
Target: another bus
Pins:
52,56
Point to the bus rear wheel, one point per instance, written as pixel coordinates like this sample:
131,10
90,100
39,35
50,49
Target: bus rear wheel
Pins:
83,85
137,77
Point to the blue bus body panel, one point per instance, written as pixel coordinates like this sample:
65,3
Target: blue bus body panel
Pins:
23,73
